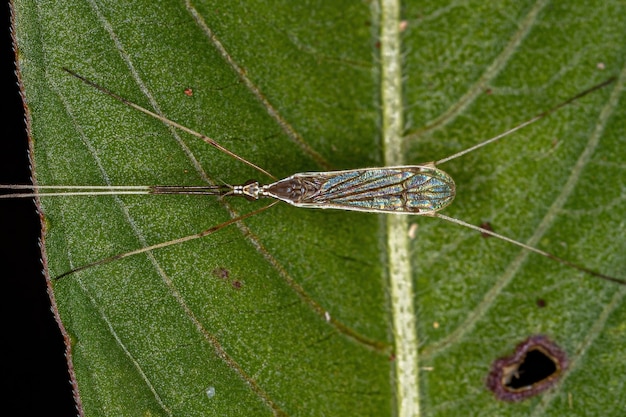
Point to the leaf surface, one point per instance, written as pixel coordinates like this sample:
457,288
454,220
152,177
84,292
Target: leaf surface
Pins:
289,312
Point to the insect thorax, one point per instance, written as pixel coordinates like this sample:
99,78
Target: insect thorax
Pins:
251,190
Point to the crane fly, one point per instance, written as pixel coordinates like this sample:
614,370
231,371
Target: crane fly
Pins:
409,189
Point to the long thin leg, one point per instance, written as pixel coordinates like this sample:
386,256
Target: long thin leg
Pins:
168,122
528,122
531,249
199,235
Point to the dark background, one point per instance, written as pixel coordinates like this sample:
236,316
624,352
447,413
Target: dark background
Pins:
34,370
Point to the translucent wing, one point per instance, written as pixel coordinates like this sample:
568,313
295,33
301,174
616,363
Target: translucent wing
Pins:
416,189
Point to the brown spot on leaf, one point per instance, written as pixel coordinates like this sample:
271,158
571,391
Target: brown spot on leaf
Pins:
221,273
486,226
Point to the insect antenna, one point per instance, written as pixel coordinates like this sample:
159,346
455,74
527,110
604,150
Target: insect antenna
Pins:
28,191
93,190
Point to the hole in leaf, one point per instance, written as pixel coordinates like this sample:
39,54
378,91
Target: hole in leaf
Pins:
535,366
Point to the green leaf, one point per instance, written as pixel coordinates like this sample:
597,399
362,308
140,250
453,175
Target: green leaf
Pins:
291,311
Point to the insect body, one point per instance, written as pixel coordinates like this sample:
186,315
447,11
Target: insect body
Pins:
412,189
416,189
402,190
